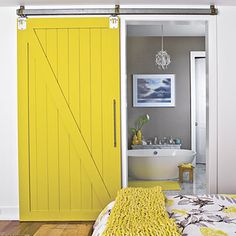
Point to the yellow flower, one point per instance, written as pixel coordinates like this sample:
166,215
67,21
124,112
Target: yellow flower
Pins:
180,212
169,202
230,211
230,195
212,232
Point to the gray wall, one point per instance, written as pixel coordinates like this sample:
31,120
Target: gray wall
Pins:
141,60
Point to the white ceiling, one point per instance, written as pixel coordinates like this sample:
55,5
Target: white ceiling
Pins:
111,2
170,29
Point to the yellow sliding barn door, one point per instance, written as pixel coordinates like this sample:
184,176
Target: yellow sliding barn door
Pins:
69,118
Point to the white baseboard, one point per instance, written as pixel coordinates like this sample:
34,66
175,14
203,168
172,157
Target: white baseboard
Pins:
9,213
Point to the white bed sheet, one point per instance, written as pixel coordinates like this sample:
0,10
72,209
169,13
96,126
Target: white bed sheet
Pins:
206,215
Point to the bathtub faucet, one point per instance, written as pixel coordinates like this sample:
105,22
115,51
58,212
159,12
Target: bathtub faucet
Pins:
166,140
162,141
171,140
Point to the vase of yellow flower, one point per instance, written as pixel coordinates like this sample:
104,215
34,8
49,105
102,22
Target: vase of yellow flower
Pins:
139,136
137,131
135,140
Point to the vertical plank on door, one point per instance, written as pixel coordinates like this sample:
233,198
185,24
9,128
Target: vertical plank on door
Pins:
42,37
41,138
74,73
86,190
74,98
52,114
52,49
96,98
64,167
33,132
63,62
75,175
53,155
85,83
85,102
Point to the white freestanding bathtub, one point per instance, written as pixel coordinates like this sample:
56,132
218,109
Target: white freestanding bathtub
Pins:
157,164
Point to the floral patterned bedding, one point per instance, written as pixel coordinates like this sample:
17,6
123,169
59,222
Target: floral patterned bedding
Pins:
206,215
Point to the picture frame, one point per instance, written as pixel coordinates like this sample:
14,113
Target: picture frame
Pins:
154,90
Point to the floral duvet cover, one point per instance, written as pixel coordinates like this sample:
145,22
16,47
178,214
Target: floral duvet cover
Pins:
206,215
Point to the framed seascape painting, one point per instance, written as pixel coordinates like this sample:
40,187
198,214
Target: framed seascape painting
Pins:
154,90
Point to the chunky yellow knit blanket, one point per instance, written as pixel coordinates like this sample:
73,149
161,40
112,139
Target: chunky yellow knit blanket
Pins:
140,212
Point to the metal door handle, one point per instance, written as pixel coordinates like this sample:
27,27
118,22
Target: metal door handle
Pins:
114,114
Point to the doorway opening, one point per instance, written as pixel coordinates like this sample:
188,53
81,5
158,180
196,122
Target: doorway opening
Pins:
166,141
198,104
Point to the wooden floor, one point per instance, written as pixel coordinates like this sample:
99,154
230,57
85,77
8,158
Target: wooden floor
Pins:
16,228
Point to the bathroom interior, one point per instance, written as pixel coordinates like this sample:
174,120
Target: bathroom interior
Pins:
166,105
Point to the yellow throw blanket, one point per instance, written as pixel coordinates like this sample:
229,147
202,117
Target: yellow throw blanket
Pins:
140,212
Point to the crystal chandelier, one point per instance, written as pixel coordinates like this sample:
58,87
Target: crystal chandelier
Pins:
162,57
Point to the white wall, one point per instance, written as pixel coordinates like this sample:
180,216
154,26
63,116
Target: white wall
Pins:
226,100
8,116
8,104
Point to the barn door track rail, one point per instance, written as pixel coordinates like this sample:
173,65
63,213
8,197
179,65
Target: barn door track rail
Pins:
117,11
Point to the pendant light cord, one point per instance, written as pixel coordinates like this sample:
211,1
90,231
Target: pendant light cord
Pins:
162,41
162,57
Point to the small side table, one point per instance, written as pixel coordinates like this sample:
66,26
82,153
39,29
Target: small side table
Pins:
183,169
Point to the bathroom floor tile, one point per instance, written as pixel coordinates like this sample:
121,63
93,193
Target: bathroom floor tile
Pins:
198,187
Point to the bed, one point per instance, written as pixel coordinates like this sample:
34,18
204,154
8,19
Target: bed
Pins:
205,215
